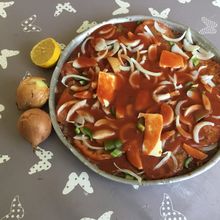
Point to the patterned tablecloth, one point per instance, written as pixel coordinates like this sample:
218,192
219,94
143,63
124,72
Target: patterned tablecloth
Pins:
52,183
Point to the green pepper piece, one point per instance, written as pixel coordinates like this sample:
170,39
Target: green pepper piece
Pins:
86,131
187,162
109,145
195,61
77,130
116,153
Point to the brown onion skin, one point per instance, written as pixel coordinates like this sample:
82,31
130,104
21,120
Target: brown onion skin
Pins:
35,126
32,92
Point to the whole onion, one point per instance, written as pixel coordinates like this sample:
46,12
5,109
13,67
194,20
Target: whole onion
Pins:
32,92
35,126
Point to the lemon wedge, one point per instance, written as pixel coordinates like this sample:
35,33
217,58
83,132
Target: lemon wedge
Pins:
46,53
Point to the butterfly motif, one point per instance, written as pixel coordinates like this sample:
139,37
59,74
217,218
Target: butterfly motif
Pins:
16,210
216,3
4,5
86,25
2,108
163,14
105,216
28,24
136,187
123,7
210,26
44,163
4,158
167,212
5,53
74,180
184,1
61,7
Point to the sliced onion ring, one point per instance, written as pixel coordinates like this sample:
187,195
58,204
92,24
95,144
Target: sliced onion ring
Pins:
176,49
146,72
129,172
189,36
192,109
189,47
158,28
198,127
74,76
75,107
202,54
174,39
84,44
164,160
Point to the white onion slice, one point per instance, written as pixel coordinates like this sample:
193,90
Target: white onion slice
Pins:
80,121
109,42
176,49
209,148
103,55
192,109
181,130
143,59
78,105
75,76
84,44
129,172
165,82
164,160
201,68
125,68
189,36
178,106
143,51
198,127
174,161
195,75
101,45
135,49
133,43
207,79
83,138
130,62
158,28
86,115
147,29
116,47
174,81
123,48
201,54
64,105
216,116
146,72
189,47
102,134
174,39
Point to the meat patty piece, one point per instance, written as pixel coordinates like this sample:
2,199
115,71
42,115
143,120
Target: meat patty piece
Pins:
210,134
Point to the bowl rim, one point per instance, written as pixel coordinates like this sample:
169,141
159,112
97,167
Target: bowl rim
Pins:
65,55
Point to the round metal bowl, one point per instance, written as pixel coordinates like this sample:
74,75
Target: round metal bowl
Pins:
65,55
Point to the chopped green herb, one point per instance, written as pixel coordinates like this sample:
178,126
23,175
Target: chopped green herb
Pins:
82,82
109,145
140,125
118,143
188,84
129,177
139,22
86,131
195,61
171,43
112,111
187,162
112,144
77,130
116,153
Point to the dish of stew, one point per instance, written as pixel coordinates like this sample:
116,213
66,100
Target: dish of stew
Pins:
141,100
